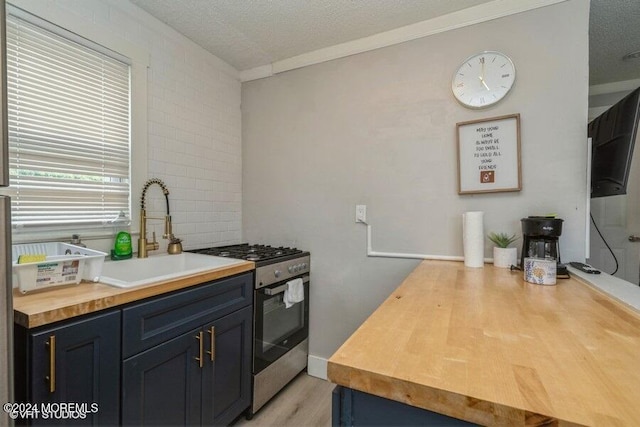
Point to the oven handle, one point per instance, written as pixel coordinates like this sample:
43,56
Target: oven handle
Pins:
282,288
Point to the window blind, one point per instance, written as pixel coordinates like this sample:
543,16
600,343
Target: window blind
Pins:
69,130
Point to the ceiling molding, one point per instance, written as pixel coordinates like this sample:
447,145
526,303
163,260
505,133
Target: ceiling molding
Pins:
615,92
614,87
462,18
256,73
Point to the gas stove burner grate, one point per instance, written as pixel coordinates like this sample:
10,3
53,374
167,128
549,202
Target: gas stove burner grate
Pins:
251,252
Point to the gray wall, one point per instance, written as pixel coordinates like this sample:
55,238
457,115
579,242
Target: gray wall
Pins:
378,128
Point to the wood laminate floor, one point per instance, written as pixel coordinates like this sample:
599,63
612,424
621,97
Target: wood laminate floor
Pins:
304,402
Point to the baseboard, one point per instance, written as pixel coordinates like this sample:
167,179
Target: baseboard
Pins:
317,367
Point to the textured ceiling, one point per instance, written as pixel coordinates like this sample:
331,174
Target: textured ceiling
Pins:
614,30
248,34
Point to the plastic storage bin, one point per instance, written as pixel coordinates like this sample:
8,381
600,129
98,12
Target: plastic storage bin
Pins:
65,264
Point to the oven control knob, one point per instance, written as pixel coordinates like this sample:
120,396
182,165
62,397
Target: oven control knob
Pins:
277,273
290,269
304,265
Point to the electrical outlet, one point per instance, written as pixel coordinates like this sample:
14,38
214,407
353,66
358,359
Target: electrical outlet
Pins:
361,213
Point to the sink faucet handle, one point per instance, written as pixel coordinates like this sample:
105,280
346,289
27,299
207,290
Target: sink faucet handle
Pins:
152,246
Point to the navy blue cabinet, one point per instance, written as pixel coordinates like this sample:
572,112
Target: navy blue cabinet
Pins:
162,385
227,380
182,358
355,408
188,356
158,319
73,362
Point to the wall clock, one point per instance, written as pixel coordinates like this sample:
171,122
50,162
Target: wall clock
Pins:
483,79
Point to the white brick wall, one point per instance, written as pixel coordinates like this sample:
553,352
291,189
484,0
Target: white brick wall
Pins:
194,129
195,144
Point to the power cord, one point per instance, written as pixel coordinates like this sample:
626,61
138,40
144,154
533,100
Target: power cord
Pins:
605,242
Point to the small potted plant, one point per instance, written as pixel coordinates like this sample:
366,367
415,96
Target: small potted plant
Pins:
503,255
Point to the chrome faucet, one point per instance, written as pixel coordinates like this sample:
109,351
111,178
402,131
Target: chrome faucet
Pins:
144,246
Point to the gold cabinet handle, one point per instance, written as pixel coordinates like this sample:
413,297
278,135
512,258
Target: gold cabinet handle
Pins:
212,353
200,359
52,363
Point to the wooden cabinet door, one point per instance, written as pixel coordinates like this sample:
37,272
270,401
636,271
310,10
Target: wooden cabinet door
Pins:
226,389
78,363
162,385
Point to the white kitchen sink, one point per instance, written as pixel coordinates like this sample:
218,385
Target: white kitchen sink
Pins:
156,268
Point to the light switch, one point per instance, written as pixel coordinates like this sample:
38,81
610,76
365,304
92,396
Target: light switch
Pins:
361,213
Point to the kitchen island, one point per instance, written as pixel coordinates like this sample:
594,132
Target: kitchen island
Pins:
484,346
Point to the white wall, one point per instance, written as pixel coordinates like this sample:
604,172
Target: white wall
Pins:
193,110
378,128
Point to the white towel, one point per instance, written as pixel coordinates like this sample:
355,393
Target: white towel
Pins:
294,293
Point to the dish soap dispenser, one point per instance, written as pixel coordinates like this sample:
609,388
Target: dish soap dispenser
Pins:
122,243
122,246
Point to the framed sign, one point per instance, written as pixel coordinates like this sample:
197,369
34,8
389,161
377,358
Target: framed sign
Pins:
489,155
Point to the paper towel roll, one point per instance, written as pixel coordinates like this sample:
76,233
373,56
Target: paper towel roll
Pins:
473,239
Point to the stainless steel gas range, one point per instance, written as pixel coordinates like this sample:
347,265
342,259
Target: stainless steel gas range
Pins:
280,334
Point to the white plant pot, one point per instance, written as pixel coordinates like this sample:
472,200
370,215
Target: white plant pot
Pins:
505,257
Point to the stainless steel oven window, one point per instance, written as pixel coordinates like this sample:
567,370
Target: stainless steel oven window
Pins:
280,322
277,329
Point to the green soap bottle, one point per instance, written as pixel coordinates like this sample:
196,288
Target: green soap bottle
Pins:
122,246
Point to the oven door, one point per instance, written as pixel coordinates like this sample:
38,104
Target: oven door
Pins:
278,329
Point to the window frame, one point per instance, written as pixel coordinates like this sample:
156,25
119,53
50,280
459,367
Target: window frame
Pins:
139,63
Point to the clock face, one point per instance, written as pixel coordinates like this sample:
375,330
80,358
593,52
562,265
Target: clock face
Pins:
483,79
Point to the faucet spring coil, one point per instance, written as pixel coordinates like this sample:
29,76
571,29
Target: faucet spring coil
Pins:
146,186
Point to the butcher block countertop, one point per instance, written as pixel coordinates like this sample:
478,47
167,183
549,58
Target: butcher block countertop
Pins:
485,346
52,305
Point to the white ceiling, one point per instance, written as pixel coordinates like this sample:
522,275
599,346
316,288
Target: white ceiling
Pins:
249,34
614,30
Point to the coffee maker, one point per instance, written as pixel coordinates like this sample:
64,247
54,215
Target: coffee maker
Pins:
540,236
